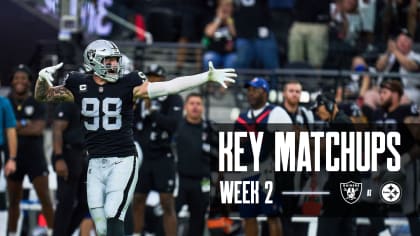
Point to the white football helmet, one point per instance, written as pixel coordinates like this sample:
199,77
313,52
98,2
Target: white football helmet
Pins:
94,56
126,64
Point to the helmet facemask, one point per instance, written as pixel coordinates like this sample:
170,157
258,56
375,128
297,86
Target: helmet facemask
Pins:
107,71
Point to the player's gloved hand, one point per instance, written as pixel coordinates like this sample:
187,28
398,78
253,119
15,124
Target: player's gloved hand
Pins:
221,76
46,73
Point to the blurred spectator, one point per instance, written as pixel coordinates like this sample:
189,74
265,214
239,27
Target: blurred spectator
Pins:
302,119
399,14
309,33
348,13
161,19
282,19
30,160
70,164
219,37
399,57
194,162
367,11
8,149
345,30
257,118
390,116
336,215
255,44
155,121
194,14
8,137
357,85
123,9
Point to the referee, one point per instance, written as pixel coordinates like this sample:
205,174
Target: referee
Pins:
194,162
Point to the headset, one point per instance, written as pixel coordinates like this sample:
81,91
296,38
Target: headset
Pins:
325,100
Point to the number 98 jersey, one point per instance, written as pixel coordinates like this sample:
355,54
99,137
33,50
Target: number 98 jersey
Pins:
106,113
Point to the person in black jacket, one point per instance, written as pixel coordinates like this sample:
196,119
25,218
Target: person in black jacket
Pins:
194,162
70,164
337,215
30,158
155,121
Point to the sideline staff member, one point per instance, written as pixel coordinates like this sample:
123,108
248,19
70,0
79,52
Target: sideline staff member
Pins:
336,217
195,145
155,121
70,163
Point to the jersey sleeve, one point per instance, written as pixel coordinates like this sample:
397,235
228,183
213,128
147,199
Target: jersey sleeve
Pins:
136,78
71,82
10,119
39,111
411,110
62,112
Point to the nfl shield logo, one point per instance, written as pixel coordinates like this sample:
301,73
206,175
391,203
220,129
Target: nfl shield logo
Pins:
351,191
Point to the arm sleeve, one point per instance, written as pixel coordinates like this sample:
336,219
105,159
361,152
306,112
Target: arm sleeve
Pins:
170,120
176,85
9,114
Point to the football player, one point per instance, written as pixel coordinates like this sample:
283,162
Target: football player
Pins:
106,100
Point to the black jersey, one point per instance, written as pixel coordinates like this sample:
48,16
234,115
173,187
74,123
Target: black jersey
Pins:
394,121
26,111
380,116
73,134
202,142
154,131
107,113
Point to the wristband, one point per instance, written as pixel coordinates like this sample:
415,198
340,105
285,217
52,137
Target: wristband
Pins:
12,158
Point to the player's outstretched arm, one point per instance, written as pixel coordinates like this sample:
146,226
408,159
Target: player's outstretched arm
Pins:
157,89
45,92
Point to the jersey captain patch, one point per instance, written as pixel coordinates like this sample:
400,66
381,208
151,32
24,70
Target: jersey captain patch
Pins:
82,88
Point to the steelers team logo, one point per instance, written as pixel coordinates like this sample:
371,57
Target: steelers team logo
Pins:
391,192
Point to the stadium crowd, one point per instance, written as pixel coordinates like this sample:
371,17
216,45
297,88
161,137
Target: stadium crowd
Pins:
179,146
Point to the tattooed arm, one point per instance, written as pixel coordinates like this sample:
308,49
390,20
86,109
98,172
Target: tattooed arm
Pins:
45,92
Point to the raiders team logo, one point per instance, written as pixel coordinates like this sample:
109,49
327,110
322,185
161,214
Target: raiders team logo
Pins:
351,191
90,54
